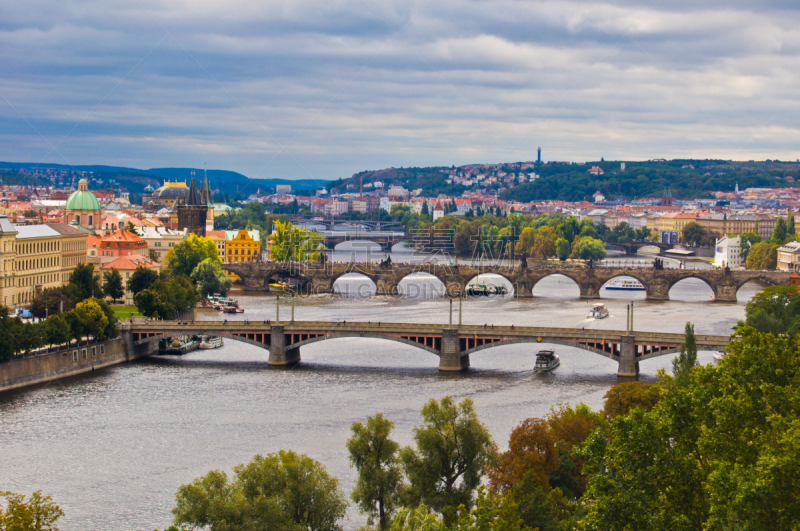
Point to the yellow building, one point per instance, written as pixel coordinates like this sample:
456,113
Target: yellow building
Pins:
243,247
73,247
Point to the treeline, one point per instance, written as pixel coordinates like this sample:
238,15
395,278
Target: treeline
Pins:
84,316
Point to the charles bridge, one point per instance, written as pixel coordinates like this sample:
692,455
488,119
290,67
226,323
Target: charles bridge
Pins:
453,344
320,278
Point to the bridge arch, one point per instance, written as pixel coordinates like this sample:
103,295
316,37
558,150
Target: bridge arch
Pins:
421,284
566,290
261,342
506,282
361,288
763,278
544,341
711,285
388,337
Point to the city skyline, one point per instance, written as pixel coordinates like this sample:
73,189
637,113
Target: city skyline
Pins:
311,90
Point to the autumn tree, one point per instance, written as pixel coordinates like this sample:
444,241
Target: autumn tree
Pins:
38,513
621,398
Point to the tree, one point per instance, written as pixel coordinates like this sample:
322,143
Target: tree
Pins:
545,243
588,248
48,301
420,518
112,284
531,451
779,232
562,249
763,256
425,211
85,283
185,256
453,450
92,317
774,310
747,240
695,234
623,397
39,513
210,278
790,229
167,298
289,243
282,491
374,455
687,359
141,279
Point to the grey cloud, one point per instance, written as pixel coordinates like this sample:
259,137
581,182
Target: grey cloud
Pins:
461,82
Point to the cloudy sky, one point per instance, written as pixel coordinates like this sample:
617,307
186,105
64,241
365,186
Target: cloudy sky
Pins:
325,88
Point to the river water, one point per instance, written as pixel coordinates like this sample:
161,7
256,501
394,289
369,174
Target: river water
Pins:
112,447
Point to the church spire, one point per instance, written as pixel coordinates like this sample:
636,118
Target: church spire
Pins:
191,197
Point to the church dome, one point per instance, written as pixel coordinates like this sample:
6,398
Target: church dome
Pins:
149,189
171,192
83,199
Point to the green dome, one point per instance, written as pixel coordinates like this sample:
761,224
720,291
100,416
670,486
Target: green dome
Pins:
82,200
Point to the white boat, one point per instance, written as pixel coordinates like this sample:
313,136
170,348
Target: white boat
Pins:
207,342
599,311
624,284
719,355
546,360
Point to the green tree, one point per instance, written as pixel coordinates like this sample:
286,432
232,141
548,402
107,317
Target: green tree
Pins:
210,278
774,310
419,518
92,317
790,230
112,284
588,248
374,455
141,279
48,301
38,513
747,240
562,249
57,330
282,491
289,243
695,234
425,211
453,450
184,257
763,256
623,397
779,232
687,358
84,282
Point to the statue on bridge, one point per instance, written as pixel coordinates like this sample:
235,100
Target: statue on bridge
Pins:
386,262
658,264
523,262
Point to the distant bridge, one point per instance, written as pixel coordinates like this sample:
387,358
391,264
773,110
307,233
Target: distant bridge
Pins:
452,344
316,278
633,246
330,224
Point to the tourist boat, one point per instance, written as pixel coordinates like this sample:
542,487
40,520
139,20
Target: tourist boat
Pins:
719,355
477,289
624,284
232,309
278,286
599,311
546,360
178,345
209,342
497,290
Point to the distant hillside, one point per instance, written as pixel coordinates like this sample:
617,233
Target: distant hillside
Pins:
686,179
136,180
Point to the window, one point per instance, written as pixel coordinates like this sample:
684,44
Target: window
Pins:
84,353
94,354
102,349
74,355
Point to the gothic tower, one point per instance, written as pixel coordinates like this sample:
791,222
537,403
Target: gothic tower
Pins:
192,213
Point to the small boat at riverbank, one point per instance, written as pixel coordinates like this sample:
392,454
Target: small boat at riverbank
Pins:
546,361
178,346
599,311
624,284
210,342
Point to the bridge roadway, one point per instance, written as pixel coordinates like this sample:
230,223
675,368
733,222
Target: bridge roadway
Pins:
318,278
453,344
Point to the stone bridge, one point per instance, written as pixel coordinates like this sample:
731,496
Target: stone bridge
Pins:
316,278
452,344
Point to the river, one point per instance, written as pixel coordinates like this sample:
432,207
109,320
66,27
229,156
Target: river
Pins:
112,447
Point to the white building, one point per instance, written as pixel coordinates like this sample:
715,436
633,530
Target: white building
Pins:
336,208
397,191
283,189
438,212
728,252
789,257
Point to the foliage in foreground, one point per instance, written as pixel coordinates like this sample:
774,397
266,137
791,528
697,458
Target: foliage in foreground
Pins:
38,513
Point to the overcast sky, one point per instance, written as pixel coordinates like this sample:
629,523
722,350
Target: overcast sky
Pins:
325,88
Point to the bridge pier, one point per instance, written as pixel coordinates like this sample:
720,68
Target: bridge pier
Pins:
450,358
279,355
628,365
657,290
725,293
590,290
523,290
